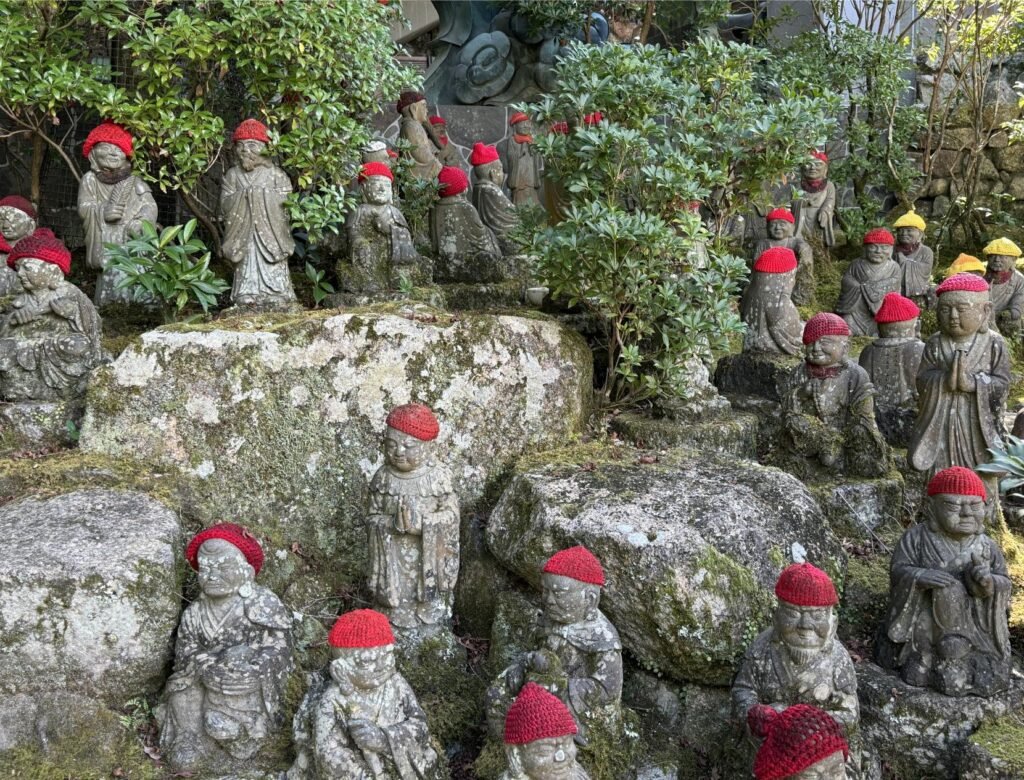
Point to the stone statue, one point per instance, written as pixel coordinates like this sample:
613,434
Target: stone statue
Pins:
949,595
362,720
413,108
413,525
801,743
962,382
965,264
113,203
443,148
257,233
495,209
524,164
781,225
50,335
466,250
380,246
1006,286
376,151
773,323
17,220
867,281
915,259
539,737
232,658
579,654
891,362
815,210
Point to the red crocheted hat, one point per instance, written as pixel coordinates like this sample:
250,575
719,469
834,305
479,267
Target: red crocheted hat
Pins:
361,628
825,323
436,120
452,180
962,283
108,133
560,128
896,308
42,245
483,154
958,481
21,204
593,119
578,563
392,154
537,714
879,236
805,585
776,260
407,98
4,245
797,738
820,156
375,169
416,420
518,117
785,214
250,130
240,537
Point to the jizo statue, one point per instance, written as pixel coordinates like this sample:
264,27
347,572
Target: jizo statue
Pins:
801,743
815,210
495,209
781,226
867,281
1006,286
446,152
539,736
413,108
773,323
524,164
915,259
17,221
466,249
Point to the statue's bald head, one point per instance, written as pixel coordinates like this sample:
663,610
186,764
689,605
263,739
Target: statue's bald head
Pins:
962,313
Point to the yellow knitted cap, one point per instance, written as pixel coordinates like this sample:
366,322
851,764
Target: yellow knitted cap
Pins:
910,219
963,264
1002,246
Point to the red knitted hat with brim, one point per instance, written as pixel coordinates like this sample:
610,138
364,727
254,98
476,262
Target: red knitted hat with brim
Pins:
416,420
108,133
577,563
375,169
805,585
42,245
518,117
784,214
361,628
483,154
452,180
962,283
820,156
798,738
251,130
777,260
21,204
240,537
957,481
407,99
896,308
537,714
879,236
436,120
825,323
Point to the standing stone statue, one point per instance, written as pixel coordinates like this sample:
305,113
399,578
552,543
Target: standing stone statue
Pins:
962,382
915,259
949,595
495,209
362,719
773,323
867,281
539,739
233,655
803,743
816,209
1006,286
413,108
524,165
466,249
113,203
443,148
965,264
257,234
413,525
17,221
781,225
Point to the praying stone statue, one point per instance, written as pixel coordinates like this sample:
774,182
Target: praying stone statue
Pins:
579,654
965,264
257,233
413,526
949,595
815,210
113,203
233,655
539,734
867,281
495,209
362,720
466,249
17,221
915,259
1005,285
962,382
801,743
413,108
50,334
781,225
891,362
446,153
773,323
524,164
828,408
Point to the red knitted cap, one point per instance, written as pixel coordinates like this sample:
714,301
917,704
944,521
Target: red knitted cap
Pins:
483,154
21,204
896,308
407,98
798,737
108,133
240,537
251,130
436,120
561,128
825,323
776,260
593,119
805,585
375,169
392,154
361,628
785,214
42,245
962,283
820,156
518,117
4,245
958,481
452,180
416,420
537,714
578,563
879,236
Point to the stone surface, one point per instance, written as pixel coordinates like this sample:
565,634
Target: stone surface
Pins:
856,507
1009,159
754,374
734,433
977,763
57,723
36,426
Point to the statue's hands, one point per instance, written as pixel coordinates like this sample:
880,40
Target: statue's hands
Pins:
824,218
22,315
368,736
403,517
934,578
981,573
113,212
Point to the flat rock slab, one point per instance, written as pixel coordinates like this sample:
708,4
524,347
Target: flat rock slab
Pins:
754,373
729,433
38,426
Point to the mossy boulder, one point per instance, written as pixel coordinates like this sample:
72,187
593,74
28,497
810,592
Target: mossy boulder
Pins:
996,750
754,373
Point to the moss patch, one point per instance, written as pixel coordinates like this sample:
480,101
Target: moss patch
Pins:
1004,739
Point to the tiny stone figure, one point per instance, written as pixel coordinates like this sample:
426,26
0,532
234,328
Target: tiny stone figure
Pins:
376,151
445,152
50,336
413,525
799,660
891,362
495,209
815,211
362,720
801,743
949,595
257,234
413,108
17,220
867,281
915,259
1006,286
962,382
232,658
466,249
828,408
965,264
113,203
773,323
524,165
539,737
781,225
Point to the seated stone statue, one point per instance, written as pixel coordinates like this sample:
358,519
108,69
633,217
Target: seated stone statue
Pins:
801,743
495,209
816,209
17,221
466,250
378,152
1005,286
446,153
867,281
781,226
828,408
773,323
538,733
915,259
949,595
362,720
965,264
413,108
232,658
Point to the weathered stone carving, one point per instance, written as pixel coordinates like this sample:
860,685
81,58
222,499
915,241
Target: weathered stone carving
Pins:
17,220
773,323
539,738
1006,286
413,108
466,250
232,658
781,226
495,209
801,743
867,281
915,259
949,595
815,211
965,264
376,151
484,68
525,167
445,152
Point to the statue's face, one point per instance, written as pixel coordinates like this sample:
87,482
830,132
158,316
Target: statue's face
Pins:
107,157
377,190
15,224
442,132
418,110
962,314
877,253
367,668
567,601
523,128
553,758
495,173
829,768
958,516
779,228
815,169
222,568
827,351
908,235
403,452
36,274
803,628
996,263
249,153
895,330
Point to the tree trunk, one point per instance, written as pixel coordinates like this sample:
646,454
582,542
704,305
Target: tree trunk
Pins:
36,173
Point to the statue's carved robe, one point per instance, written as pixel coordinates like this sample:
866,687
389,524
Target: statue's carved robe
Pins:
803,290
864,286
892,365
1008,297
466,249
806,210
773,323
578,773
496,212
524,172
379,245
916,273
425,162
